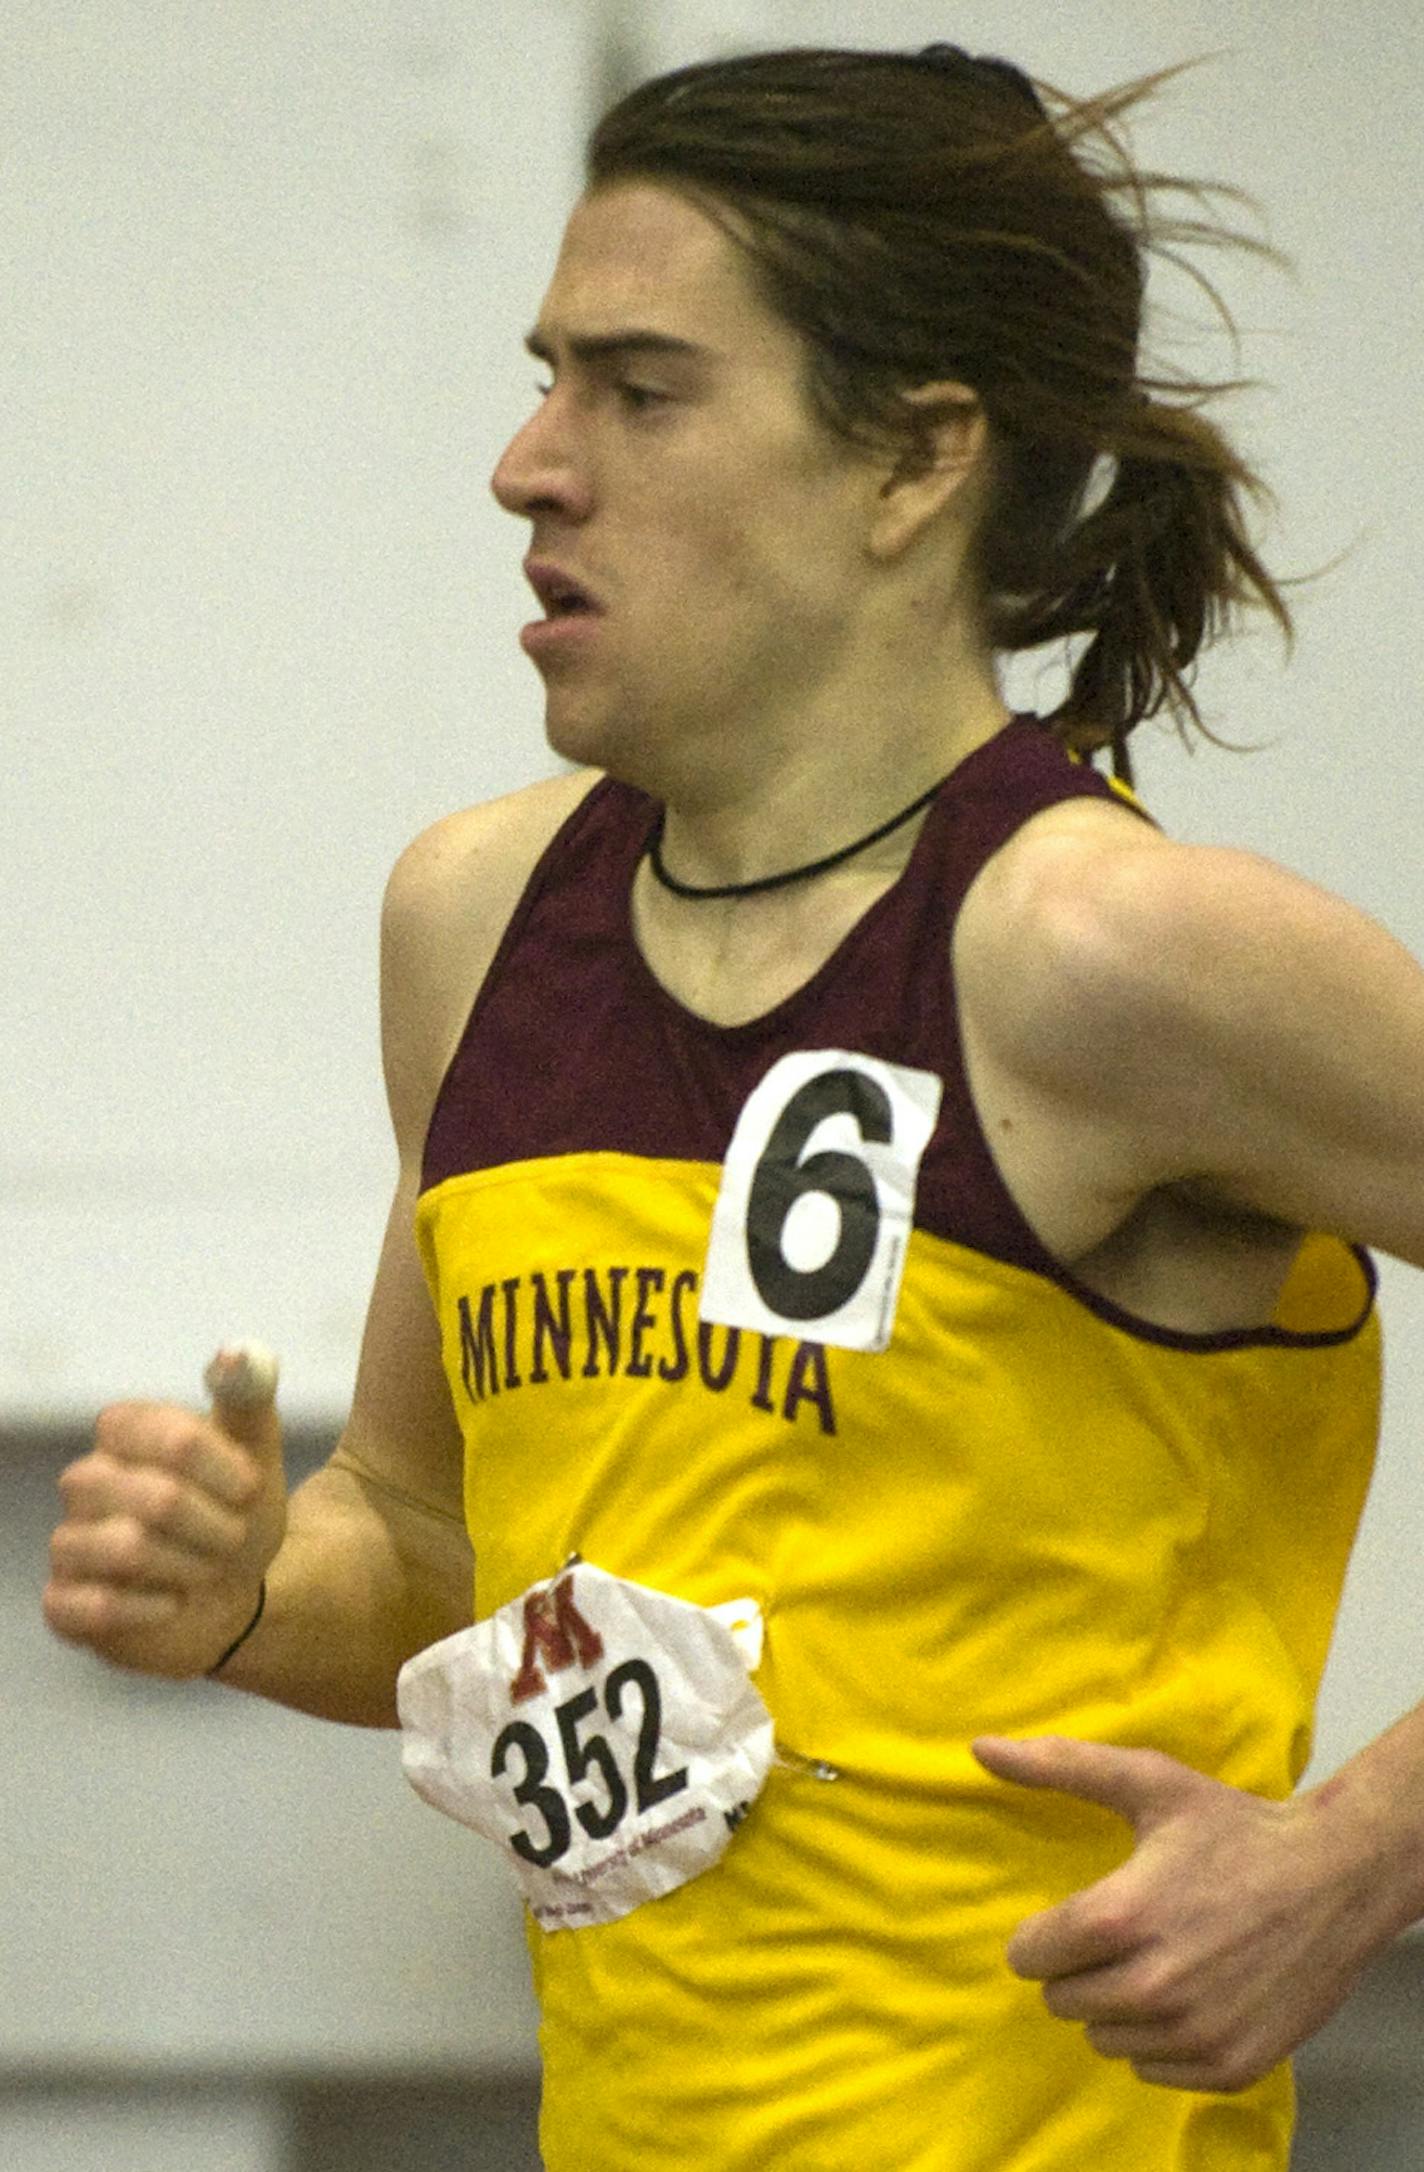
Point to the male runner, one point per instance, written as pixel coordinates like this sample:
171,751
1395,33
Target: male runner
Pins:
924,1217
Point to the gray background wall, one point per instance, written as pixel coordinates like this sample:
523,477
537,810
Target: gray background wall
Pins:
266,273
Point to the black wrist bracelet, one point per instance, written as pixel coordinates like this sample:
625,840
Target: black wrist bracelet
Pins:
238,1641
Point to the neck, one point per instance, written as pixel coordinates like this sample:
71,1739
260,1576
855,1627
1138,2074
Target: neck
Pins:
734,830
806,871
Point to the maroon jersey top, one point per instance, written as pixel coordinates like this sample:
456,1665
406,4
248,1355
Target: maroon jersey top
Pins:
573,1046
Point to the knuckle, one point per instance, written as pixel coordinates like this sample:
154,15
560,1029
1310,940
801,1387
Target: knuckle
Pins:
1230,2073
1116,1918
1234,2061
112,1424
104,1611
73,1550
93,1612
129,1546
70,1612
1157,1986
76,1482
57,1609
161,1434
62,1553
119,1427
1220,2061
176,1442
87,1556
163,1497
1212,2040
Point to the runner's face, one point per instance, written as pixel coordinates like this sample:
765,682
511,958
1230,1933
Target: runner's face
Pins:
675,473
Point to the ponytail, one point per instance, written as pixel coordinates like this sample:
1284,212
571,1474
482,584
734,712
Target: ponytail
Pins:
1152,575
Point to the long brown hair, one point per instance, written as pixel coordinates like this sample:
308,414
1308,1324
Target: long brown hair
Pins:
934,215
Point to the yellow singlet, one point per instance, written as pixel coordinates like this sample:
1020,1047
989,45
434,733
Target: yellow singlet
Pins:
1026,1513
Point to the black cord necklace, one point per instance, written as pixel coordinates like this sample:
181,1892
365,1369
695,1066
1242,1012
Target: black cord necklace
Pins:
792,874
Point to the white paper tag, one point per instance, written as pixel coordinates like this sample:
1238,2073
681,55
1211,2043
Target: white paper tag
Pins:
607,1736
817,1199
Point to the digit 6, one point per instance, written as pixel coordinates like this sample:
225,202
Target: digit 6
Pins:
782,1178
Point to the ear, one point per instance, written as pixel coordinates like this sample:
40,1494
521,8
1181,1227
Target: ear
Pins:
929,477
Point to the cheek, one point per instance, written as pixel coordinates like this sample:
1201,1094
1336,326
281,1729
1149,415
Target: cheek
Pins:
802,535
747,549
791,574
773,554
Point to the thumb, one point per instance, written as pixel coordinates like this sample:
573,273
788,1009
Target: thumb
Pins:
1143,1786
241,1378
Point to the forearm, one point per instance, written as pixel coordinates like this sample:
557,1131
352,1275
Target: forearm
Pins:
1374,1808
364,1579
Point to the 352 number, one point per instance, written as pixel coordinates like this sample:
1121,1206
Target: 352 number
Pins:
585,1755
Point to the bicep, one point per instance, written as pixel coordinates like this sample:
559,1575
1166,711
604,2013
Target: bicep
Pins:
1196,1015
1268,1041
1310,1022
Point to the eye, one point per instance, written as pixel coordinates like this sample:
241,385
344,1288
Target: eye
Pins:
638,399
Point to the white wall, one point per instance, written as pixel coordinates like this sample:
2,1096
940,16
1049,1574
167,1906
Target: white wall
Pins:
266,274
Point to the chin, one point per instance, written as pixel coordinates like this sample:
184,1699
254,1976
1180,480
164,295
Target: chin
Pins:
578,737
591,740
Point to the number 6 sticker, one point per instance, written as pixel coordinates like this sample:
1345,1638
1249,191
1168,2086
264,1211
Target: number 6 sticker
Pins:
817,1199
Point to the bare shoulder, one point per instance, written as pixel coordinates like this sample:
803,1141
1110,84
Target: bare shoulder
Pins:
1163,1014
1091,930
477,860
447,904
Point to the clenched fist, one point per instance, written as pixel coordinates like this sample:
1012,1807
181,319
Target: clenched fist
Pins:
169,1525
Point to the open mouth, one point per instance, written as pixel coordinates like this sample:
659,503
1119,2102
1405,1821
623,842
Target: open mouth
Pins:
560,594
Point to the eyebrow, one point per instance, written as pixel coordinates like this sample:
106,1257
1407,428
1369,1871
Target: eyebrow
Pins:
603,346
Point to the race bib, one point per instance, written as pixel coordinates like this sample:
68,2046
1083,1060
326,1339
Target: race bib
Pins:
817,1200
607,1737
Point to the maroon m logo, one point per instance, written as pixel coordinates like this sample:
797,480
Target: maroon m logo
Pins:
555,1631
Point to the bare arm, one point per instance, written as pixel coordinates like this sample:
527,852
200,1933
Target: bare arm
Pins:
1200,1018
1191,1014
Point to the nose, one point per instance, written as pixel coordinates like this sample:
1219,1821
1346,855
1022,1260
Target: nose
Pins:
537,471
